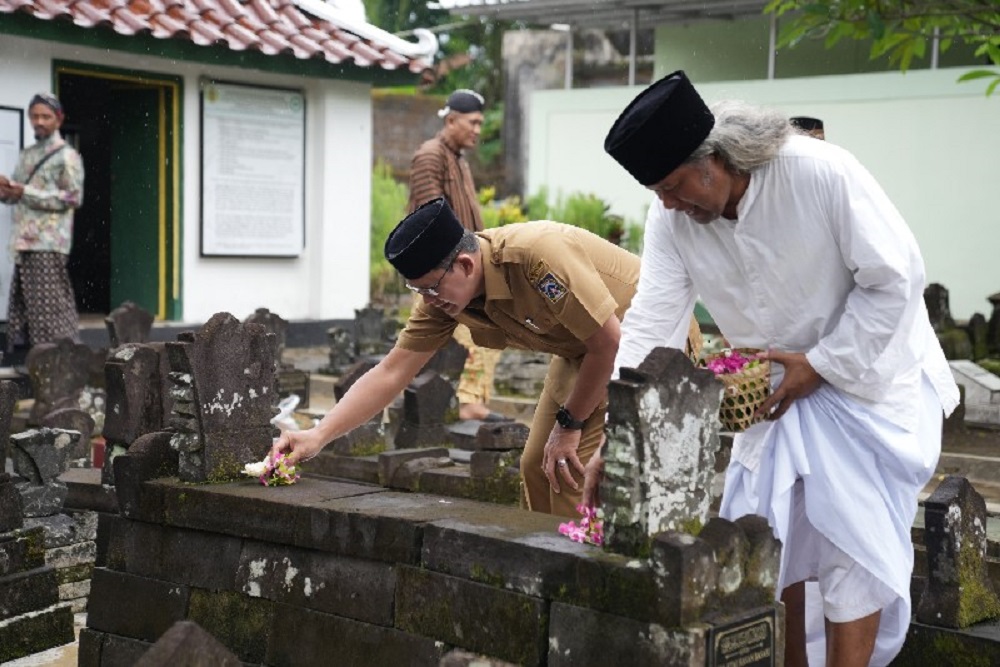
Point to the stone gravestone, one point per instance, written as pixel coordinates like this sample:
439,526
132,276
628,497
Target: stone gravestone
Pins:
955,341
40,456
426,402
59,373
73,419
224,377
716,589
977,329
521,372
959,591
497,448
11,509
341,350
8,399
291,380
993,329
448,362
373,333
663,433
128,323
273,323
31,617
135,401
938,307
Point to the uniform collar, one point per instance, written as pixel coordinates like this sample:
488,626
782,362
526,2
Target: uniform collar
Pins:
493,275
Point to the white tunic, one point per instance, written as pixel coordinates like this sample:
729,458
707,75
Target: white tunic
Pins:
821,262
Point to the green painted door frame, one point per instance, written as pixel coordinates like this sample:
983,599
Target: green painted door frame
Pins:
141,114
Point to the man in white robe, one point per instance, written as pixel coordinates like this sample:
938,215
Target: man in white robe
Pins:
794,248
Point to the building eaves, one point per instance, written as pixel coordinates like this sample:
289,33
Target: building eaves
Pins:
301,29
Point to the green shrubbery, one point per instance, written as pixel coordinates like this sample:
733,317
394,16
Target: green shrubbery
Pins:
499,213
589,212
390,199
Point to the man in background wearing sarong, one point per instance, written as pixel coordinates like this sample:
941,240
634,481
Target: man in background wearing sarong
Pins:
45,188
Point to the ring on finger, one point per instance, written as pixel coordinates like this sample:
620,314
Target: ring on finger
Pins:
561,462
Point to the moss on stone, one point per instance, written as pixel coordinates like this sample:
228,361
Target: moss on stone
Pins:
956,344
370,449
992,365
34,548
953,651
692,526
226,469
74,573
482,575
240,622
29,634
977,600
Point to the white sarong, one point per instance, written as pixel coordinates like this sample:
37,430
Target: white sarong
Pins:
861,476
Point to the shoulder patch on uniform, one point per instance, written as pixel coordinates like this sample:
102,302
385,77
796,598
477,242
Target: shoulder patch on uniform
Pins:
551,288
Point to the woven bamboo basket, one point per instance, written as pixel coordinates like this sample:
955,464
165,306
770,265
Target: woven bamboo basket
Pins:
745,391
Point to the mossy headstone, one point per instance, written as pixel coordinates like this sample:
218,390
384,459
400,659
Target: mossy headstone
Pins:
959,592
663,434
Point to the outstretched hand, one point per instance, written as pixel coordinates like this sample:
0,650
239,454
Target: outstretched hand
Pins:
799,381
298,446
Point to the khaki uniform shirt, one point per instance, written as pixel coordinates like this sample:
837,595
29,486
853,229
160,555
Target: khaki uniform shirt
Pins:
548,288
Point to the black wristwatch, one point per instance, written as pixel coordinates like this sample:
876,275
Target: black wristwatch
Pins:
565,419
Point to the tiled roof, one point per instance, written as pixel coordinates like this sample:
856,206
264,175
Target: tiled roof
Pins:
270,26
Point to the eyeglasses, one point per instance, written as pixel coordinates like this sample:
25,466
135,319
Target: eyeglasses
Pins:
433,289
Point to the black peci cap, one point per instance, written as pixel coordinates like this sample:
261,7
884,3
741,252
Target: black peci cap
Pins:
463,101
423,239
659,129
806,123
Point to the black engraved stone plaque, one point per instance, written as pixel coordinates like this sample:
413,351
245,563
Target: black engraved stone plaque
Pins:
745,641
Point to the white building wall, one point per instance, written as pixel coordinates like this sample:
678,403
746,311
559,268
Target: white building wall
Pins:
330,279
930,142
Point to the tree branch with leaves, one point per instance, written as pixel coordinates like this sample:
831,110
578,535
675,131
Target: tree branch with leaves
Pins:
901,31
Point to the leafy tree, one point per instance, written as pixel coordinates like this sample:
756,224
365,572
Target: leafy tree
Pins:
401,15
898,29
480,39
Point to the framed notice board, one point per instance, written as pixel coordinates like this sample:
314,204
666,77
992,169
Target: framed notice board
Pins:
11,143
252,170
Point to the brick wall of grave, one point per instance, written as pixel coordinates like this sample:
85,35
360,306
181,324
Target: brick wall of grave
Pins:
295,575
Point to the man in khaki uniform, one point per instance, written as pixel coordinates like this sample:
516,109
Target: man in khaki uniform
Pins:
539,286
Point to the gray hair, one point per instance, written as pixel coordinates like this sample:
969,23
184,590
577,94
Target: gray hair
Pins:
469,243
744,136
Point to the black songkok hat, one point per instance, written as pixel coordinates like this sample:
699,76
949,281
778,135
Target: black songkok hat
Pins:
49,100
806,123
659,129
423,239
463,101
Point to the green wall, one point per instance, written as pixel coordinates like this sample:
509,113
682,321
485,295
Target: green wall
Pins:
931,142
730,50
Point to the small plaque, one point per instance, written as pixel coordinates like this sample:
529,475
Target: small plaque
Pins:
747,641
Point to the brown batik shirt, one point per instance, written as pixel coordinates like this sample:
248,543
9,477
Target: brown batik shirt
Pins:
439,170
